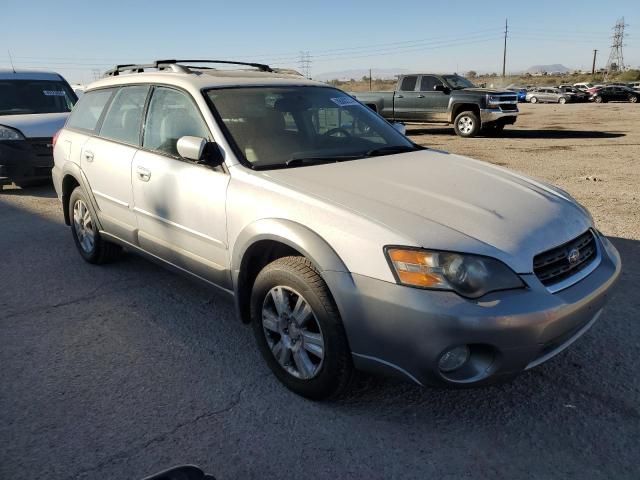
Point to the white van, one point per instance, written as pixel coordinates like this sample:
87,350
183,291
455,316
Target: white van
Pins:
33,107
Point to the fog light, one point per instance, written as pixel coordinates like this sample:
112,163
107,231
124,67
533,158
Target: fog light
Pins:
454,358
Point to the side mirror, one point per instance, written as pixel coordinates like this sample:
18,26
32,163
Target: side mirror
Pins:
441,88
199,150
400,127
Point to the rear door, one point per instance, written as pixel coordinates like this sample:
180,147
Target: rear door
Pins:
106,160
180,204
432,105
406,98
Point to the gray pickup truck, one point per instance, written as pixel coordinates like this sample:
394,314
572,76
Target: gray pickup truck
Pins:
449,99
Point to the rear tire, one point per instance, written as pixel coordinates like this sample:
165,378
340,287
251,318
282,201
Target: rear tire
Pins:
92,247
633,98
562,100
467,124
494,129
598,99
299,331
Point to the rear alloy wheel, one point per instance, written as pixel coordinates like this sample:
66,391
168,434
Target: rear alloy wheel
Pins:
298,329
562,100
598,99
85,232
533,100
467,124
633,98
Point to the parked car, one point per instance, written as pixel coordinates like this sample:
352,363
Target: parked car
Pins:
549,95
521,91
635,85
583,85
344,244
578,95
33,106
609,94
448,99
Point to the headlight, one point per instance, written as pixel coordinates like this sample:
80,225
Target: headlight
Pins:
7,133
493,99
468,275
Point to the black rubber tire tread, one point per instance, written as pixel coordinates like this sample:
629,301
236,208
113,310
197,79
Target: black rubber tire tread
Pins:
476,124
337,373
104,251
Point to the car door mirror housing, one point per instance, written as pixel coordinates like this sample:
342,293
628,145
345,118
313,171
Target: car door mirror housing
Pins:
199,150
191,148
400,127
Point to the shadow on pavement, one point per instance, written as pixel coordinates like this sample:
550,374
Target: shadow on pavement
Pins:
525,134
41,191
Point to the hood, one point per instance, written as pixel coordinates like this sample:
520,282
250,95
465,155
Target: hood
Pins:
35,125
448,202
484,90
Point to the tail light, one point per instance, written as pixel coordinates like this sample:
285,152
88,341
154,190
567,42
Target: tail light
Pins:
55,139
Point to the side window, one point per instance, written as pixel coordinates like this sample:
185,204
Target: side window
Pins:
172,114
427,82
123,119
88,110
409,84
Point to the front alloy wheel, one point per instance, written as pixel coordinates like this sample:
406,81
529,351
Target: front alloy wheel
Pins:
299,330
292,332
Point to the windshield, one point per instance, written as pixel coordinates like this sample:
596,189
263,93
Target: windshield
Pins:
19,97
457,82
291,126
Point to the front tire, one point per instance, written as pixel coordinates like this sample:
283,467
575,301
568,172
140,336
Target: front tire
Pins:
467,124
633,99
562,100
598,99
92,247
533,100
298,329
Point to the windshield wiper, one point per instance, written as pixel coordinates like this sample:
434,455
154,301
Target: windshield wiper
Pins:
297,161
390,150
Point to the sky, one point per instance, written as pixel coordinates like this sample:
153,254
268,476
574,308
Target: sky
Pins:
80,39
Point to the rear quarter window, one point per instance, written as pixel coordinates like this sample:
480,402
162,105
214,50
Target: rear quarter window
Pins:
88,110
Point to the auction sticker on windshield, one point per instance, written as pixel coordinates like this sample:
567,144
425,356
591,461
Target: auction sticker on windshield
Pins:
345,101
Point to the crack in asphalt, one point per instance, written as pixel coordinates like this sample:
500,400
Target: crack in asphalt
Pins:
93,294
237,398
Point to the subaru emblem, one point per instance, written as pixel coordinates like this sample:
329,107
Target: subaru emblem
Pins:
573,256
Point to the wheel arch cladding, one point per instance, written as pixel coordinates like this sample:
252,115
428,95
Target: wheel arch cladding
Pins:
462,107
69,183
265,240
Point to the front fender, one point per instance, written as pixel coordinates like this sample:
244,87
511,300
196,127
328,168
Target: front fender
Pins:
293,234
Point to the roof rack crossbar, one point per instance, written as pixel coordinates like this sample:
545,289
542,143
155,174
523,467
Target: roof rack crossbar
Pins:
260,66
176,66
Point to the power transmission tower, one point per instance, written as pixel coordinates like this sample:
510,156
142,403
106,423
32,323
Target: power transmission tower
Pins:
504,55
96,73
616,57
305,63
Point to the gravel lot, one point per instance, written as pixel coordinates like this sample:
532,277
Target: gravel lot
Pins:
123,370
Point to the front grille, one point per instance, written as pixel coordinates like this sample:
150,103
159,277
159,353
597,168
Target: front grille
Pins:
509,107
41,147
560,263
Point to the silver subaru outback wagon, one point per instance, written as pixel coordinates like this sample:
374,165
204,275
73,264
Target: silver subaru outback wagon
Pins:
345,245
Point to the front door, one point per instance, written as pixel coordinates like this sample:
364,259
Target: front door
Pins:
180,204
432,105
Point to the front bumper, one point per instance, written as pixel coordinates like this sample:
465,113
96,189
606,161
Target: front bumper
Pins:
403,331
26,161
491,115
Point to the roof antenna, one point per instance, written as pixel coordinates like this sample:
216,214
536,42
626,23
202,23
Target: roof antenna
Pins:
11,60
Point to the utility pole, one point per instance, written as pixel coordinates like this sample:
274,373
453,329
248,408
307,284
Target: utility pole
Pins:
369,79
504,55
593,68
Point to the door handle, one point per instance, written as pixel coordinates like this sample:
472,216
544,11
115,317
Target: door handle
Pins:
420,96
399,96
143,174
88,156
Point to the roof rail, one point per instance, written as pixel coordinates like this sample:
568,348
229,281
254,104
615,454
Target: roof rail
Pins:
176,66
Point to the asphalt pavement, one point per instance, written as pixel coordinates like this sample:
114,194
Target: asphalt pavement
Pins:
119,371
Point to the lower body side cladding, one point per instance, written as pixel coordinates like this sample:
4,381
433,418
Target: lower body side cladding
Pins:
403,331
